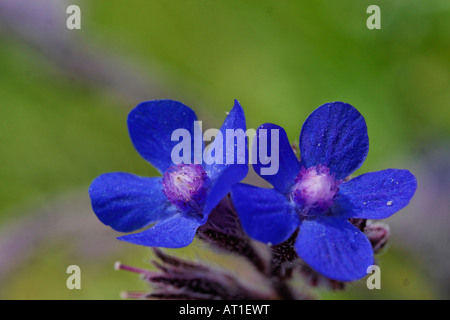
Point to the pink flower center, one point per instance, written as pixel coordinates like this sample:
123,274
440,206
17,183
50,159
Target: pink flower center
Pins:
185,185
315,189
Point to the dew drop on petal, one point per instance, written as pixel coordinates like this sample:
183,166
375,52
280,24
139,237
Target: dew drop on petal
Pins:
389,203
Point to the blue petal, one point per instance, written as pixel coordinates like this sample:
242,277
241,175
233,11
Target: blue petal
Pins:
334,135
151,125
175,232
376,195
221,186
128,202
335,248
234,121
265,214
285,160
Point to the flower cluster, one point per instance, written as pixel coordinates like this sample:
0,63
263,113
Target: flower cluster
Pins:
315,220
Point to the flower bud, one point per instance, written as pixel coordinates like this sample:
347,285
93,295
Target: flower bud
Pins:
378,233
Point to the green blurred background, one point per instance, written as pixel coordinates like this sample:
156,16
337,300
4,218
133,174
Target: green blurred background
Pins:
65,95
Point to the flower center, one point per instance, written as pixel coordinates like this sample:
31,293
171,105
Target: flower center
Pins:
315,189
185,185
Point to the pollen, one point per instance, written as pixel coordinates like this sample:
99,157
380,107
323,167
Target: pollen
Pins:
315,189
185,185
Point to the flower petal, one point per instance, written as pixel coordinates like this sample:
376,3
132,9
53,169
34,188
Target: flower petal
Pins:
235,148
282,160
376,195
127,202
335,248
335,135
151,125
221,186
266,215
175,232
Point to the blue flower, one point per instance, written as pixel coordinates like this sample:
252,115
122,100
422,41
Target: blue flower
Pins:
180,201
315,195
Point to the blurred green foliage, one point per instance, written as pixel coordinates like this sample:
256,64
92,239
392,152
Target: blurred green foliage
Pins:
56,133
280,59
